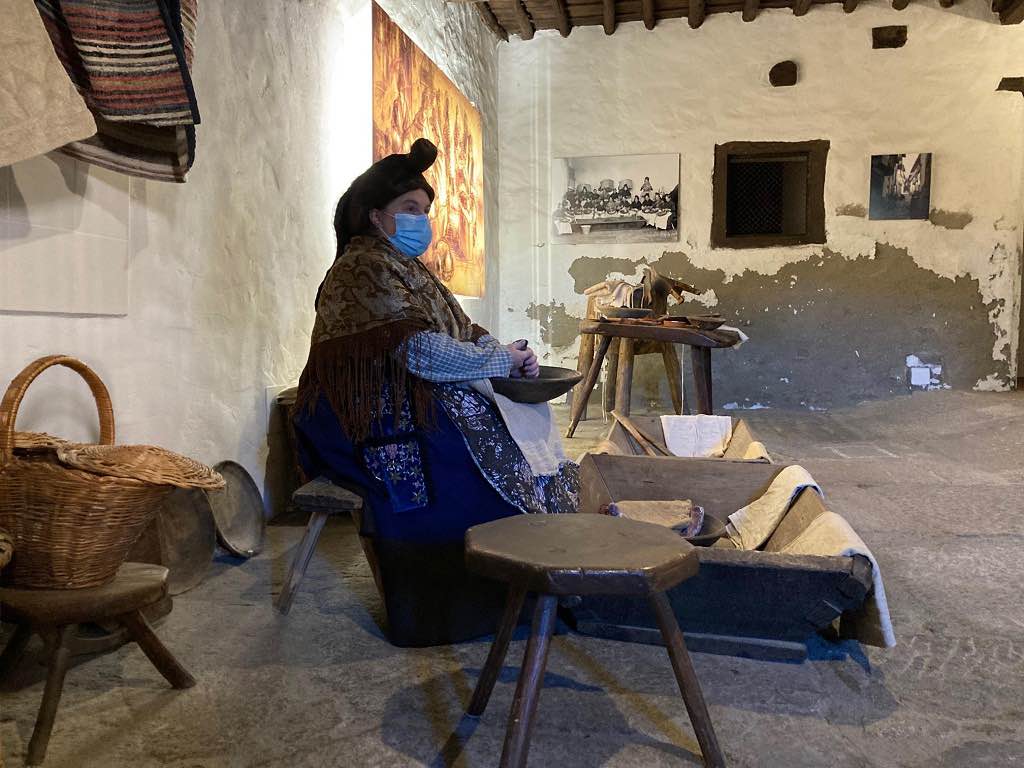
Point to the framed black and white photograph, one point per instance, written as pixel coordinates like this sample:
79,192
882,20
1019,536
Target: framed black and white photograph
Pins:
615,199
901,186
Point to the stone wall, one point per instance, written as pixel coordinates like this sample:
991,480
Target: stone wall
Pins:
829,325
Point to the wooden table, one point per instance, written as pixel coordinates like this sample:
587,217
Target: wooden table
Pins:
628,335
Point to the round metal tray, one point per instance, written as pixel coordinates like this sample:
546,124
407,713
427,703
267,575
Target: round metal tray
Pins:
238,511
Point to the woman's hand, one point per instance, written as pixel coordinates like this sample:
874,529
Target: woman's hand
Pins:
524,361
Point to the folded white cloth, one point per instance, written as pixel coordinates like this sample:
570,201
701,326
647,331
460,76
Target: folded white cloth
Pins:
830,534
743,337
752,526
695,436
533,428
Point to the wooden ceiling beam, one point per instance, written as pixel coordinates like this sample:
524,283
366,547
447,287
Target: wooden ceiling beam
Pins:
526,29
695,13
750,9
647,8
801,7
609,17
484,9
561,17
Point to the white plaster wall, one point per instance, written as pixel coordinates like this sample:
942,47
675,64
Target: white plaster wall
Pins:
217,304
680,90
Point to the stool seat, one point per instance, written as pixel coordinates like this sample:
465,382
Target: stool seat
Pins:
136,585
581,554
322,494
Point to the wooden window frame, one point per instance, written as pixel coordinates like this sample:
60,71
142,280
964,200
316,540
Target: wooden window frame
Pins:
817,156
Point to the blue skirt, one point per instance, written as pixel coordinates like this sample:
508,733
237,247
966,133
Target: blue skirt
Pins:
432,484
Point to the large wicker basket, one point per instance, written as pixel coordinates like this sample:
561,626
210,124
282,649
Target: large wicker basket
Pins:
71,528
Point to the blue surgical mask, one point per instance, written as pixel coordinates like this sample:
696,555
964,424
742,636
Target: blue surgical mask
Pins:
412,233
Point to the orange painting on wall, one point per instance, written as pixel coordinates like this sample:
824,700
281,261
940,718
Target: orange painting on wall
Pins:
413,98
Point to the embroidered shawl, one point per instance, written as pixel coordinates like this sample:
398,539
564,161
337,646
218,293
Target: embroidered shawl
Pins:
371,302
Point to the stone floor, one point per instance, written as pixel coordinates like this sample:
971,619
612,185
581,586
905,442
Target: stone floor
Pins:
934,483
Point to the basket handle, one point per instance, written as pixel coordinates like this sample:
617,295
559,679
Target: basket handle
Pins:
19,385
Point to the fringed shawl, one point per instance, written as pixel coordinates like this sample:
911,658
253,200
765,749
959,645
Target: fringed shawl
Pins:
371,302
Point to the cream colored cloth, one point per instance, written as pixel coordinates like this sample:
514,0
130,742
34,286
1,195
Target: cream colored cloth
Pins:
752,526
533,428
830,534
757,451
40,109
697,436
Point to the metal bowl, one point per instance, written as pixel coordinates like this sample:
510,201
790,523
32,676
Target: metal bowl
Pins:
553,382
712,530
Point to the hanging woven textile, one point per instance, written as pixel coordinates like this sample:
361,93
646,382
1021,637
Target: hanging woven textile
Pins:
131,62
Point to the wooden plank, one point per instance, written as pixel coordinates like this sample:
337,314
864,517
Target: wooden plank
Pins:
484,9
801,7
608,19
647,8
696,12
750,9
669,333
526,28
561,17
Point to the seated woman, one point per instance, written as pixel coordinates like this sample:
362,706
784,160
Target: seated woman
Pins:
384,404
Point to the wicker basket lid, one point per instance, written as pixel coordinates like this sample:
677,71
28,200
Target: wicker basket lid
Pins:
36,442
146,463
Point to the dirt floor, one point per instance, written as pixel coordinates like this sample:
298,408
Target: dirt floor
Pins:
934,483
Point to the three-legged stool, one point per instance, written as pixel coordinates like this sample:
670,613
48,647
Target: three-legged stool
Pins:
55,613
581,554
321,499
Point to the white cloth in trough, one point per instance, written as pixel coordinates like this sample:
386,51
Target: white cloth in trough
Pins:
753,525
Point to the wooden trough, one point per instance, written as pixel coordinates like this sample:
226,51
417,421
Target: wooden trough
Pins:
763,604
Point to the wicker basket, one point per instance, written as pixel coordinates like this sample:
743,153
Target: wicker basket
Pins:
71,528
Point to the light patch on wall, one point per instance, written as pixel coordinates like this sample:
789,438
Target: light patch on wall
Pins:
64,237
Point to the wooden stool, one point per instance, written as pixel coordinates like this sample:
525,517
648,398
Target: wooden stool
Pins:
321,498
54,615
581,554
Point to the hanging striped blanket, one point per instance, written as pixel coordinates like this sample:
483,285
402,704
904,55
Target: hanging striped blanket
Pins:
131,61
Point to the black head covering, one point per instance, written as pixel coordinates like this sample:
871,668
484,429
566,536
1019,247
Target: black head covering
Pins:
381,183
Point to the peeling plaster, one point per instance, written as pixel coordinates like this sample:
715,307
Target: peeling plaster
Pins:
852,209
950,219
558,328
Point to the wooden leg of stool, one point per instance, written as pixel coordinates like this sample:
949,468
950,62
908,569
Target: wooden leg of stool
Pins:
531,679
58,667
585,387
624,377
156,651
611,378
499,648
689,686
302,557
674,371
14,649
